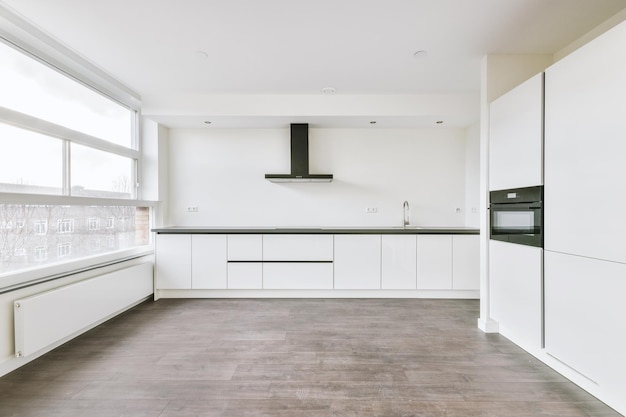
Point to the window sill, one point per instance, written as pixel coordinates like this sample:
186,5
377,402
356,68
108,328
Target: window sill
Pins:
17,279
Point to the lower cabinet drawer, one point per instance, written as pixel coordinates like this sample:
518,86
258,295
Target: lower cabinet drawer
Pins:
298,276
245,275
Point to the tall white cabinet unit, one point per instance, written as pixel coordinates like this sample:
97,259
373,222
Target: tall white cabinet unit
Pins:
585,221
586,150
516,137
516,288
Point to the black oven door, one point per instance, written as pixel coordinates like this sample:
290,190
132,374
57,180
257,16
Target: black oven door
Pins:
517,223
516,216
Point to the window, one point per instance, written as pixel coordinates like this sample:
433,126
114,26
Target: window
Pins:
70,159
33,88
64,249
41,254
38,246
93,223
40,227
65,226
60,137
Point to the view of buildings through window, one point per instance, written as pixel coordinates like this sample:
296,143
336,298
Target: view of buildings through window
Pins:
64,139
31,235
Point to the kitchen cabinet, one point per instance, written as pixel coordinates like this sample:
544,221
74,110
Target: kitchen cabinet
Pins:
584,318
515,285
585,150
245,247
465,262
208,262
298,275
173,262
516,137
315,261
399,262
293,261
243,271
299,248
357,262
245,275
434,262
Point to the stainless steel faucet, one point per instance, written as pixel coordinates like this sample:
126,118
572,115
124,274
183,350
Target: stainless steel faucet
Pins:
405,209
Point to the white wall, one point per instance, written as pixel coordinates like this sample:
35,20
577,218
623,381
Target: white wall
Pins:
222,172
472,175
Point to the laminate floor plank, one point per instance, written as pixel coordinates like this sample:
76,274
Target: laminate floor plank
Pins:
295,358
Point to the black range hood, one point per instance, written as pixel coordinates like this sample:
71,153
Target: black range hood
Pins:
299,159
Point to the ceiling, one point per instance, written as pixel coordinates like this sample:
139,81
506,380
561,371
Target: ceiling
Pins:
196,60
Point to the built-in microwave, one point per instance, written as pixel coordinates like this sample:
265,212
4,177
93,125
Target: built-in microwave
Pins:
517,215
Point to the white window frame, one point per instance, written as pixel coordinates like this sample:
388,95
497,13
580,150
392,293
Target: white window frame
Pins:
41,253
24,36
64,249
93,223
37,224
65,226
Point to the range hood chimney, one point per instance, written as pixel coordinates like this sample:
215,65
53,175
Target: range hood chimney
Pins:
299,159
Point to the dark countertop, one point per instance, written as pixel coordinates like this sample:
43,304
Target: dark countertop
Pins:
411,230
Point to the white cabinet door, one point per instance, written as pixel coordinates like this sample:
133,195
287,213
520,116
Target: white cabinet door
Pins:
208,262
297,247
434,262
465,262
245,275
173,261
298,275
584,317
399,262
516,137
515,285
585,150
245,247
357,262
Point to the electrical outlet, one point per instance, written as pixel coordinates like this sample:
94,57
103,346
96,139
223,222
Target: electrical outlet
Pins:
192,209
371,210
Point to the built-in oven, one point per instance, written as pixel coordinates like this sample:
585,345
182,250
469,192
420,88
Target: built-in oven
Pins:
517,215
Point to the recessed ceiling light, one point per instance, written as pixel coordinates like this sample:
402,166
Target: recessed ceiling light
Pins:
420,54
439,122
373,122
328,90
202,55
207,122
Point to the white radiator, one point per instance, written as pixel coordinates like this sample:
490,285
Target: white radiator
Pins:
60,314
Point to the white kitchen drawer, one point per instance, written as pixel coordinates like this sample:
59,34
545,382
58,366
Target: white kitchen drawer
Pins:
245,275
245,247
298,247
298,276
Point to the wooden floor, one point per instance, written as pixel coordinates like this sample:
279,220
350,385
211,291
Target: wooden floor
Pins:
293,358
